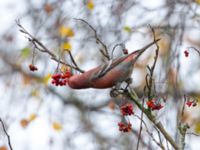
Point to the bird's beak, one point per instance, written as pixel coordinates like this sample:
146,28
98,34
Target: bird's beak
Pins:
141,51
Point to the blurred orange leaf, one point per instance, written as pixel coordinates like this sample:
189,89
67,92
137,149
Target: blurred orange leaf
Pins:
57,126
3,148
24,123
26,79
48,8
66,31
90,4
111,105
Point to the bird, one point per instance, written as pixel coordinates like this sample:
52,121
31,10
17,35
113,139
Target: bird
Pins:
109,74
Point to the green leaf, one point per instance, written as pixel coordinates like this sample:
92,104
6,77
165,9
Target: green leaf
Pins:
127,29
25,52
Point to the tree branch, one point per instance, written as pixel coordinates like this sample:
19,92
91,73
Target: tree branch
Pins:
7,135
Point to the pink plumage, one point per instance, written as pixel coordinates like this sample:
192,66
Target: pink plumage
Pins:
109,74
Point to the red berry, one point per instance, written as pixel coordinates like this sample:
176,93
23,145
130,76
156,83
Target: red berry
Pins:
153,105
186,53
125,51
56,76
125,127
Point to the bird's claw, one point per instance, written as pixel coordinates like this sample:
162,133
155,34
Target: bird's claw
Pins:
114,92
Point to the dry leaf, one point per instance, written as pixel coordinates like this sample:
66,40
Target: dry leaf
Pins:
48,8
24,123
35,93
111,105
3,148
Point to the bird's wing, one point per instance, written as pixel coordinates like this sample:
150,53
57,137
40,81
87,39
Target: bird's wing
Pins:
107,67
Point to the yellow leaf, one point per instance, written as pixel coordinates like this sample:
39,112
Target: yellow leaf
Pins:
90,4
66,31
24,123
32,117
197,128
198,2
46,79
57,126
35,93
64,68
66,46
127,29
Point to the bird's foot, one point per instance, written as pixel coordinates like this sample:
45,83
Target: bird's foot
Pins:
114,92
128,81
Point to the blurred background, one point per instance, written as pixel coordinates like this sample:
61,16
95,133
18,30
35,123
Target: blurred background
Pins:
40,116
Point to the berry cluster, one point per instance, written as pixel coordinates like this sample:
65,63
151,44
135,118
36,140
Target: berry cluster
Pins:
61,79
32,68
186,53
125,127
126,110
191,103
154,105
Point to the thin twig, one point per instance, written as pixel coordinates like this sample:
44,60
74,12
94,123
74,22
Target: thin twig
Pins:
190,133
193,48
151,70
181,126
72,58
150,133
140,131
183,108
40,46
7,135
105,51
159,136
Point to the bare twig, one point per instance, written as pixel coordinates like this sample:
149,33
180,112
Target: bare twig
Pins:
150,133
183,108
190,133
182,127
40,46
98,40
72,58
193,48
7,135
149,81
140,131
